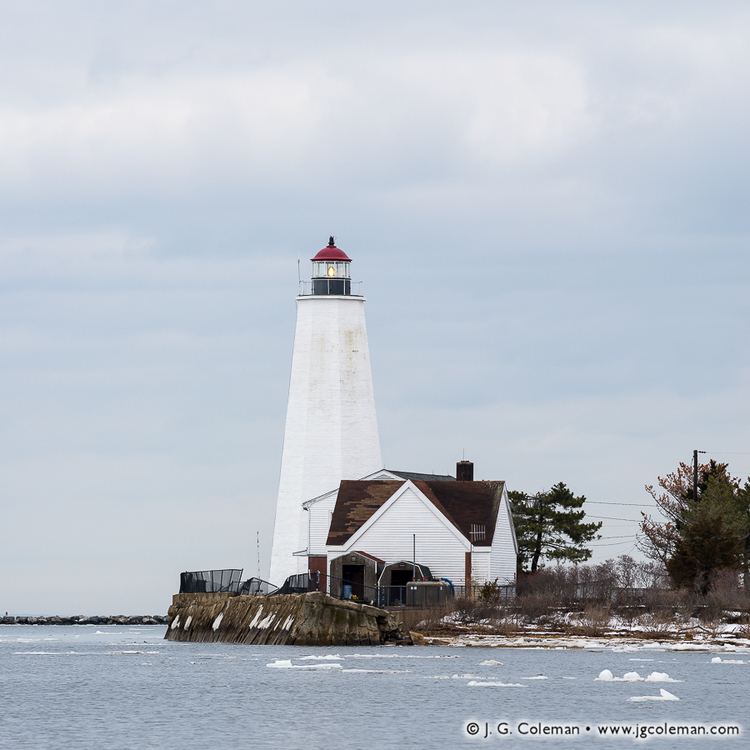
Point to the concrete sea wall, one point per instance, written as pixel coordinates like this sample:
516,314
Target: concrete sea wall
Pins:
313,619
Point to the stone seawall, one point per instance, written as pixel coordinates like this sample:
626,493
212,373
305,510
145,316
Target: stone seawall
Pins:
313,619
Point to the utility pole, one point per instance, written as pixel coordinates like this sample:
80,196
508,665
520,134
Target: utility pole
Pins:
695,474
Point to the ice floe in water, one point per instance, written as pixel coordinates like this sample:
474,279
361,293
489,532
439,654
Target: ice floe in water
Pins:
48,653
664,695
287,664
537,677
641,659
490,663
719,660
130,652
606,676
377,671
466,677
315,657
660,677
478,683
401,656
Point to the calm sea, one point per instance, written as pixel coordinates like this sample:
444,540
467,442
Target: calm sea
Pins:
125,687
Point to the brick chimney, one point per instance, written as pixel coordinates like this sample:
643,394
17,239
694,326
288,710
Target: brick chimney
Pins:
465,471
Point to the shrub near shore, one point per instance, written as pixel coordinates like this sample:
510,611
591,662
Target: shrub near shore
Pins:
592,601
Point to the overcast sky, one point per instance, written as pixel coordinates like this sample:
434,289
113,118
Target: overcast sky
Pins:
547,203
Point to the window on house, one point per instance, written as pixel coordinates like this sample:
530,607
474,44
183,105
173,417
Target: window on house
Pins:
476,532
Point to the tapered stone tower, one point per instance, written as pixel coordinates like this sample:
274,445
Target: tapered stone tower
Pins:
331,428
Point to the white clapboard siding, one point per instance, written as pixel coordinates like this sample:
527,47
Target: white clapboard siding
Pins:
439,547
320,521
480,565
503,557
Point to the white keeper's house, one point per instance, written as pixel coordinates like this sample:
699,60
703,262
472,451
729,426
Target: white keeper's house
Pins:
392,527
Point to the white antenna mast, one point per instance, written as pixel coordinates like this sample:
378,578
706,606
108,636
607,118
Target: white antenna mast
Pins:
257,545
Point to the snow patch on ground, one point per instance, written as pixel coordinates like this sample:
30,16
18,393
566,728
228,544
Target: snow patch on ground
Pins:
175,623
217,622
187,622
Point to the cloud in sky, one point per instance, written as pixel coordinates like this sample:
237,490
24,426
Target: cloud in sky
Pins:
546,204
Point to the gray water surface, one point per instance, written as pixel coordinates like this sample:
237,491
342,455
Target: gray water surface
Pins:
125,687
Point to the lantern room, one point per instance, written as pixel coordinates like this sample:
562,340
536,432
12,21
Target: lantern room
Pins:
330,271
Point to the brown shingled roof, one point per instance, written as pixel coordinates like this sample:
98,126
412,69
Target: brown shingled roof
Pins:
462,503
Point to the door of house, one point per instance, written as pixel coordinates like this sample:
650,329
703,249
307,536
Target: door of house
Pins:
354,576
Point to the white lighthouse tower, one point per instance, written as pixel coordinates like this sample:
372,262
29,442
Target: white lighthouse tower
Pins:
331,428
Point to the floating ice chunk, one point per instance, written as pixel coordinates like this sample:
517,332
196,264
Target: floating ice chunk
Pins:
660,677
664,695
631,677
401,656
466,677
175,623
376,671
641,659
187,622
537,677
315,657
490,663
477,683
719,660
217,622
287,664
606,676
280,664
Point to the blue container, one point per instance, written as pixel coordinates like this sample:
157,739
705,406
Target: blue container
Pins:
346,591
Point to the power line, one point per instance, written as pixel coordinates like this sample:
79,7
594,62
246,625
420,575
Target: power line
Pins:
612,544
611,502
615,518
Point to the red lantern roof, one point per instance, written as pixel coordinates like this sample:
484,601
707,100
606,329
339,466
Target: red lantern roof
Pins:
331,252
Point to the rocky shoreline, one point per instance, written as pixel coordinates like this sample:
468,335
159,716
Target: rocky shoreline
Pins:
85,620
